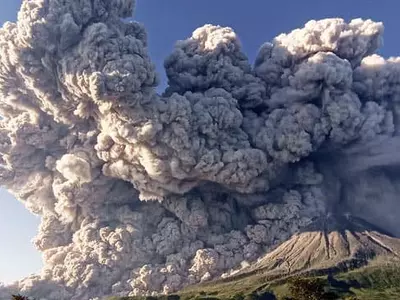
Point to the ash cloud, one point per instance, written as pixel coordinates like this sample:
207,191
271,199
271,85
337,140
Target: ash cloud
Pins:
142,193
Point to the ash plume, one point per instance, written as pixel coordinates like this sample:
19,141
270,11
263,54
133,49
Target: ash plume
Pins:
141,193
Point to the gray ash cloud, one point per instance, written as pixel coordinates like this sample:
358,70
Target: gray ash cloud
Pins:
144,193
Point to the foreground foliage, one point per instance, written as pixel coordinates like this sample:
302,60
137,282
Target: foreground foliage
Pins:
19,297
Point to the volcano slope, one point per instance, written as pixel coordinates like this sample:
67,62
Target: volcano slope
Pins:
332,243
356,252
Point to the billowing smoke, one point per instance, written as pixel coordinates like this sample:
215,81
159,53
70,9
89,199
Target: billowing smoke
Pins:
141,193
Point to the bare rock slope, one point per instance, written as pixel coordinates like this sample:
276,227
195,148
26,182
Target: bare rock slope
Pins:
330,243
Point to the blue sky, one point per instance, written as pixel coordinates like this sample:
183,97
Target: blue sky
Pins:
166,22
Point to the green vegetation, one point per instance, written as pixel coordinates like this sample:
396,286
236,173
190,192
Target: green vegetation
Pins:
18,297
308,289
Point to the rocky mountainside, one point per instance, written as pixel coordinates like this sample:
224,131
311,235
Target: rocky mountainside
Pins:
328,244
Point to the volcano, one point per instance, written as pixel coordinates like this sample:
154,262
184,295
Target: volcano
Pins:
334,243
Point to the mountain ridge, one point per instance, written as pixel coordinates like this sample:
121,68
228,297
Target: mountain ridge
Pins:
330,242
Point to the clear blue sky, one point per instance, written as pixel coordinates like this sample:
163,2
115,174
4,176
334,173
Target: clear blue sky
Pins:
256,21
